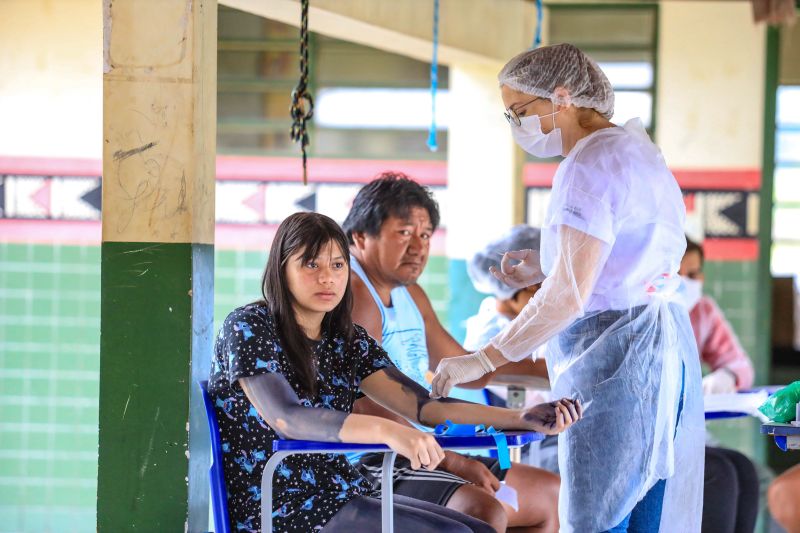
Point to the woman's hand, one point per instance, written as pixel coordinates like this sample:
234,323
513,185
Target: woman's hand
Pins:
524,274
418,447
554,417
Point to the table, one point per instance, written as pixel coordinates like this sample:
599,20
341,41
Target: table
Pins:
737,405
787,436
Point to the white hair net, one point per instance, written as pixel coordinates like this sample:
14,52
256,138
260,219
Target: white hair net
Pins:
539,72
520,237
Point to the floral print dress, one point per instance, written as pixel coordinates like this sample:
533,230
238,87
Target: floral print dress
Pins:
308,489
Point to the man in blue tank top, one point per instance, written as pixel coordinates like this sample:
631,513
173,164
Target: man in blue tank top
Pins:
390,227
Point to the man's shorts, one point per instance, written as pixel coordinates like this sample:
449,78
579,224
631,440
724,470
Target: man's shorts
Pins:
435,486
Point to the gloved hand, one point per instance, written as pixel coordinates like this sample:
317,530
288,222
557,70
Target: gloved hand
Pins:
524,274
720,381
463,369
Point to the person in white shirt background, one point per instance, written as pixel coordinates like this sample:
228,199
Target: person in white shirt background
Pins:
503,303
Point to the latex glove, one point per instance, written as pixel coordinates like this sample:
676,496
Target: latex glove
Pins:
720,381
463,369
523,274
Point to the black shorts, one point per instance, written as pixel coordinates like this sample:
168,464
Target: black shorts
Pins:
435,486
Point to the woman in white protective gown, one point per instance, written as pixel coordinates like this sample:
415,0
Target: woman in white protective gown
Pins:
617,337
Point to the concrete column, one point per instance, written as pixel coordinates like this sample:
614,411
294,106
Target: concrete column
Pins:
159,126
484,169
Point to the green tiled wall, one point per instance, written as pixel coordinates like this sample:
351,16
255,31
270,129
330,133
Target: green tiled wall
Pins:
734,286
49,346
49,368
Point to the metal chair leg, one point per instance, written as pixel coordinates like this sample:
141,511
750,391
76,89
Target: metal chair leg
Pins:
266,490
387,492
515,399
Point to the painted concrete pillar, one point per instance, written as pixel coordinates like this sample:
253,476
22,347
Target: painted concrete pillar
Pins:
483,174
159,126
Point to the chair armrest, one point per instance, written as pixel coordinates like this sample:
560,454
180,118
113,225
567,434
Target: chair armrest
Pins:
284,448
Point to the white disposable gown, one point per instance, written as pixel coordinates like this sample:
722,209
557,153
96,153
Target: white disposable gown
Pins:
616,337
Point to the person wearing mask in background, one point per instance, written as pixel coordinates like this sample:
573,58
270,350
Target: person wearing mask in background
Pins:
719,348
390,226
731,488
504,303
498,310
612,243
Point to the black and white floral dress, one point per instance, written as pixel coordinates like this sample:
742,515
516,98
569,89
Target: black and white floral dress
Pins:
308,489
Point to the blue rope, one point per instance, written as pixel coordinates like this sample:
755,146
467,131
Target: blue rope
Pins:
432,146
537,38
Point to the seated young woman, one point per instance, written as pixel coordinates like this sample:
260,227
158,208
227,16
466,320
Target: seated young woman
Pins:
291,366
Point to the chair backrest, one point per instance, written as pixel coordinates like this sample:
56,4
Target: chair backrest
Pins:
216,474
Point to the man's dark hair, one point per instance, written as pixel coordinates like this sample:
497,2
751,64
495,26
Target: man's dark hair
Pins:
390,194
692,246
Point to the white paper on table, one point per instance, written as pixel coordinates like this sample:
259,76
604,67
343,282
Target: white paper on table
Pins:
737,402
507,494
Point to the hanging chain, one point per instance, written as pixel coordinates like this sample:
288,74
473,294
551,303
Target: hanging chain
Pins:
302,103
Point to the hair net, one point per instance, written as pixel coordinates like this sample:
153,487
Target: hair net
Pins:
521,237
539,72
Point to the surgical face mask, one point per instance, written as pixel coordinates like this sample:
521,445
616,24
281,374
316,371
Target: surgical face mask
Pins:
530,137
691,292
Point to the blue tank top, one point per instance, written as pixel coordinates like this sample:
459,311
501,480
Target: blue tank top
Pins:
402,329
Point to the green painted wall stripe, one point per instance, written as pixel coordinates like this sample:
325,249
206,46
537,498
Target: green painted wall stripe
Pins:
764,312
147,339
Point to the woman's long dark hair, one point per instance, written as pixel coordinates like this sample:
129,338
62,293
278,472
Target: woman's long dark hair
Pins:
307,233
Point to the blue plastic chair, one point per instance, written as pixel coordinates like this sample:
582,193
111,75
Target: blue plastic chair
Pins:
284,448
216,474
